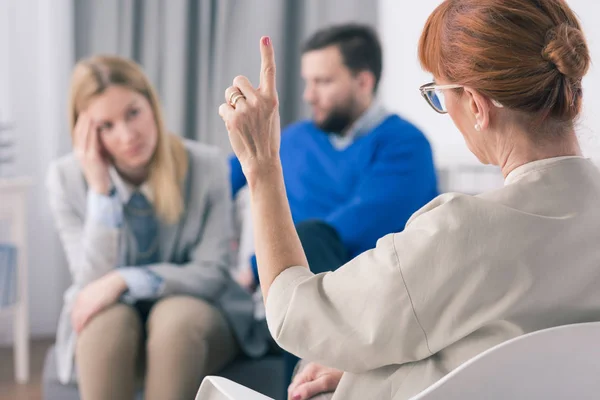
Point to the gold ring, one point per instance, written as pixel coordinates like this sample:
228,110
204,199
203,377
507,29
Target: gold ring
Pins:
234,97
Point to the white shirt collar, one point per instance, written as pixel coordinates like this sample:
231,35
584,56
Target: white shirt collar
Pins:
125,189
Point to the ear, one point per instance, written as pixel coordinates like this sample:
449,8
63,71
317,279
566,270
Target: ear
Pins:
366,81
479,106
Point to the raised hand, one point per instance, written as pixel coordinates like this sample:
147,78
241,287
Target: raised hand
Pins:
252,117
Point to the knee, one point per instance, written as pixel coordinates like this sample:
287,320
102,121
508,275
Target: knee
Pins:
180,320
115,330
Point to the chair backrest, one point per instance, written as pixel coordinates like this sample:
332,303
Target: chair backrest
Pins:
555,363
218,388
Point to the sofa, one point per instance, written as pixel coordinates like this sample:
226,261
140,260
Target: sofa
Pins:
264,375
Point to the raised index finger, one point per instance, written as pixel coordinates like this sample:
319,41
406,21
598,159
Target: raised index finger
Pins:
267,67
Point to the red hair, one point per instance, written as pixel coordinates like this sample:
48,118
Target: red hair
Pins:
530,55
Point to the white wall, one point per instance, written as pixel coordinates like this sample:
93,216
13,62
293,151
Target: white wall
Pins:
401,23
39,57
4,66
589,127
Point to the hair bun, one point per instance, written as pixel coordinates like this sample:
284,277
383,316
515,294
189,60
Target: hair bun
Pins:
567,49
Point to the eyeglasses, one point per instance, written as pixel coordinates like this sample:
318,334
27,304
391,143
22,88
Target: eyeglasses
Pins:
434,95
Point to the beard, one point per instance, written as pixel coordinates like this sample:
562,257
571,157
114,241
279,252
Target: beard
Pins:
339,119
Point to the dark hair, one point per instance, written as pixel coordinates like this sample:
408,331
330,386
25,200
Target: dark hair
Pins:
530,55
359,45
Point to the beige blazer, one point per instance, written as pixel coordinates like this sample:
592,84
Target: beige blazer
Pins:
466,274
194,252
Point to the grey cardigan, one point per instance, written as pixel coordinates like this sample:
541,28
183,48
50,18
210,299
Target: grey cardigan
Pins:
195,252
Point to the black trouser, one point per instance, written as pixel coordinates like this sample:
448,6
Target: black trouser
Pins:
325,252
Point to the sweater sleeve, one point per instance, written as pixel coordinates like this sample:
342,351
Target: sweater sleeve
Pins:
238,180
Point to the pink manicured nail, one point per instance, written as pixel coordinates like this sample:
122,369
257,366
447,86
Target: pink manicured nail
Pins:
296,397
267,42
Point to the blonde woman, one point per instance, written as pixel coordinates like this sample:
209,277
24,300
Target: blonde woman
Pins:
144,219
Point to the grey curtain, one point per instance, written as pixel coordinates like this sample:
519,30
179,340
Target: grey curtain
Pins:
192,49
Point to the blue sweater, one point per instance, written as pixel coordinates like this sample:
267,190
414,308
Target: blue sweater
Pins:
365,191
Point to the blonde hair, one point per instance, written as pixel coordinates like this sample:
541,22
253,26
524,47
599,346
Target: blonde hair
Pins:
91,77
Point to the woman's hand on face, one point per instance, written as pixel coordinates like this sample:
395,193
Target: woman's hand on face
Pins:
88,151
253,120
95,297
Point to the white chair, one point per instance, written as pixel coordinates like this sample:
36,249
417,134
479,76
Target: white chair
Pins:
217,388
555,363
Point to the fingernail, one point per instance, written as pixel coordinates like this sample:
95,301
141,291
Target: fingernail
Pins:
267,42
296,397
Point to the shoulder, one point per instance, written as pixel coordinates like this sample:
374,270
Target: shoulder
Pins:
201,152
439,234
206,161
297,129
65,163
458,209
400,139
204,157
299,126
65,183
397,129
453,218
65,171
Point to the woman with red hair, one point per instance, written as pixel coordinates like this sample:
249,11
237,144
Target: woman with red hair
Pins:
468,272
